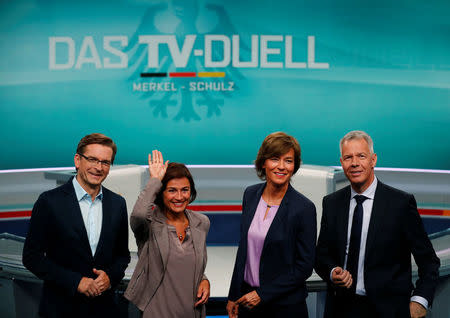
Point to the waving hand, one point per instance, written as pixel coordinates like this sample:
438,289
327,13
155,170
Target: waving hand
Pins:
156,165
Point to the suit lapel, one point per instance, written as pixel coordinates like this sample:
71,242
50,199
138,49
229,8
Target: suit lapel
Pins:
280,217
75,218
277,223
251,206
161,235
379,210
342,224
198,239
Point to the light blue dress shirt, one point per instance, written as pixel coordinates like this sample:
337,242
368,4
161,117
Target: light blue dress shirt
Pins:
92,213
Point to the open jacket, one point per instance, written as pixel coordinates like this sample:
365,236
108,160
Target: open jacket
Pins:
395,232
150,229
57,251
287,257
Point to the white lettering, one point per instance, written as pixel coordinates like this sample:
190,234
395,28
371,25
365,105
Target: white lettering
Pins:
137,87
107,46
312,55
181,59
288,55
154,87
265,51
253,49
88,44
211,86
153,42
209,39
52,41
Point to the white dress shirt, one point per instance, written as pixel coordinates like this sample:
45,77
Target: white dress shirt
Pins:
92,213
367,207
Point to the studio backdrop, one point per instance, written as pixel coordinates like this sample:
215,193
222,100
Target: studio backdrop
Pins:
206,81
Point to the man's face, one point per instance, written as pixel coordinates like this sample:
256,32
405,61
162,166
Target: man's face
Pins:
91,173
358,163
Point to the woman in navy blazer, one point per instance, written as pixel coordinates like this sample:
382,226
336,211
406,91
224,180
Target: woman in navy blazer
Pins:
278,235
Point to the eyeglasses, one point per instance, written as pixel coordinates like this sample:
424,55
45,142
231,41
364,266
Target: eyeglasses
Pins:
95,161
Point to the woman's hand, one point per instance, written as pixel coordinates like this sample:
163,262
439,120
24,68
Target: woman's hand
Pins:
249,300
156,165
202,293
232,309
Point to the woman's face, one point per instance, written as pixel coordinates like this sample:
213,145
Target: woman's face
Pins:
279,169
176,195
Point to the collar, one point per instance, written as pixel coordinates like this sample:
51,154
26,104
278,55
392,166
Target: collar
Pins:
160,217
370,191
81,193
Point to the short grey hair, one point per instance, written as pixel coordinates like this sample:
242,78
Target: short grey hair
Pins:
357,134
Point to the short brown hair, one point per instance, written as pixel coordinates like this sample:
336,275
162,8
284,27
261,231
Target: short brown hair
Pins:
176,170
99,139
274,145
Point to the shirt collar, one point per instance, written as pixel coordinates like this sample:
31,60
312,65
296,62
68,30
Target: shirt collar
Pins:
370,191
81,193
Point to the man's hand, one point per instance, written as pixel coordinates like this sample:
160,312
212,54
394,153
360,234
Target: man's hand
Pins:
102,280
417,310
249,300
341,277
88,287
202,293
232,309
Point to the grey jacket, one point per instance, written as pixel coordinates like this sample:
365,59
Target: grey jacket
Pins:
149,225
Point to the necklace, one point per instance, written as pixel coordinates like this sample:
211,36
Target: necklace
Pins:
180,237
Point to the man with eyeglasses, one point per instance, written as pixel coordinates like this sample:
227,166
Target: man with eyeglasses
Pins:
77,242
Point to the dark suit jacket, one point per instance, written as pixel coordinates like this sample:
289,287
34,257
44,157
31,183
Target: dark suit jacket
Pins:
287,257
57,251
395,231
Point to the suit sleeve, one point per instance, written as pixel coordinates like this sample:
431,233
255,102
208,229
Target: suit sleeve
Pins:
116,270
427,261
324,259
143,209
305,246
205,252
36,246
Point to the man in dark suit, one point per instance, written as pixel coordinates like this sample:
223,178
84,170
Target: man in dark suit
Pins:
368,232
77,242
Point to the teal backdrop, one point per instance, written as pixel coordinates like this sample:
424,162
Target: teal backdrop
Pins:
312,69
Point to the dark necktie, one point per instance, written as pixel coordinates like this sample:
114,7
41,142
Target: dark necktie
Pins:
355,239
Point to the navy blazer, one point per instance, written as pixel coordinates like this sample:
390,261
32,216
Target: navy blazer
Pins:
395,232
57,251
287,257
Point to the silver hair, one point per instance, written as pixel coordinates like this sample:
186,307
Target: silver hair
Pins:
357,134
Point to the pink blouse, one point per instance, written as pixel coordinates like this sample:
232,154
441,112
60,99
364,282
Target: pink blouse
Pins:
255,240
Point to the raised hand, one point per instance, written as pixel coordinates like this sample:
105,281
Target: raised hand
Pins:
156,165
